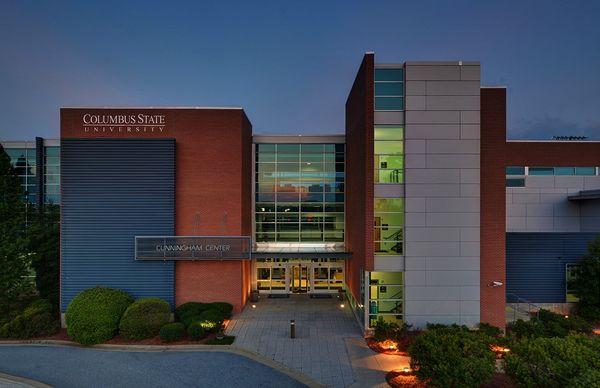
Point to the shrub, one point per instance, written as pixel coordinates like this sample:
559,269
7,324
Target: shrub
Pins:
144,318
195,331
587,284
172,332
190,309
489,330
93,316
554,362
224,308
37,320
452,357
211,321
549,324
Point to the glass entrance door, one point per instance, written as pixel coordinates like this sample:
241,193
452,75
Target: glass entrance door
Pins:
300,282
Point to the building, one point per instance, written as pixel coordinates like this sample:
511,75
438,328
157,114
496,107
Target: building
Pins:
422,211
38,165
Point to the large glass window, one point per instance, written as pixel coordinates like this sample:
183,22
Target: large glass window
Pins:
52,175
389,154
23,160
389,89
389,226
571,283
300,192
386,295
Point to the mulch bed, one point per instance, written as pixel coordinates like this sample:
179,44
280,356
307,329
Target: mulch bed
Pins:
399,379
376,347
118,340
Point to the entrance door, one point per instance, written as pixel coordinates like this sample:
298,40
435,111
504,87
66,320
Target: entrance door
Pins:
300,282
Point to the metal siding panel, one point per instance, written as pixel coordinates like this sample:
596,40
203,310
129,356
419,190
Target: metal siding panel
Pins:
535,264
111,191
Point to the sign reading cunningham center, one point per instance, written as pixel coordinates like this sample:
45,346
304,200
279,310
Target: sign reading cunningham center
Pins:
192,248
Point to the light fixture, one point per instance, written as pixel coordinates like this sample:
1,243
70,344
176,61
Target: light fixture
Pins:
406,369
253,306
342,305
566,316
496,283
262,209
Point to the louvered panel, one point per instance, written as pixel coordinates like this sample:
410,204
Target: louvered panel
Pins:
111,191
535,264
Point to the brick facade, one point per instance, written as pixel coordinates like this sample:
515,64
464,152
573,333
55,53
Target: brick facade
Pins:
213,187
359,175
496,154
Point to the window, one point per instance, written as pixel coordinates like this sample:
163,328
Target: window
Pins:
389,154
386,295
389,89
571,282
515,170
389,226
562,170
515,182
299,192
541,171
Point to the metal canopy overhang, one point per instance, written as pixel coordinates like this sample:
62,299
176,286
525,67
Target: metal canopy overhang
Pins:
585,195
301,255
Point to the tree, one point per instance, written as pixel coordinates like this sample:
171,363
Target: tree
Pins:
14,256
587,287
44,232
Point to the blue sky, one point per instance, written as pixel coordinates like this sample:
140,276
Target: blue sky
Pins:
290,64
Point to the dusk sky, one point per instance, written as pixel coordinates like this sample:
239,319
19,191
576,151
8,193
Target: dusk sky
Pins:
290,64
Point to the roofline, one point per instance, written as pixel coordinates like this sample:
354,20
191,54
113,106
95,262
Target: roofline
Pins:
299,139
552,141
152,107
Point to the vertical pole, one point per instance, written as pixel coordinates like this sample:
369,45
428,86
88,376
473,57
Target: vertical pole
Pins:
292,329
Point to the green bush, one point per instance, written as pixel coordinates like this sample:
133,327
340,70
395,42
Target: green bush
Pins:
172,332
224,308
452,357
587,284
195,331
555,362
93,316
144,318
489,330
37,320
190,309
549,324
211,321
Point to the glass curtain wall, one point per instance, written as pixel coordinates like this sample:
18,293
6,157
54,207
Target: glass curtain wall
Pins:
23,160
52,175
386,293
299,192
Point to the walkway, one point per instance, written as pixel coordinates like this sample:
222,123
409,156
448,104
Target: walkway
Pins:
66,366
328,345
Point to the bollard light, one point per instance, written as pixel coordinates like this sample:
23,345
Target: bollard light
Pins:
292,329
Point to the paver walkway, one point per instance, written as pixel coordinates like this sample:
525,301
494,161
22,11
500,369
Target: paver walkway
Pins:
328,344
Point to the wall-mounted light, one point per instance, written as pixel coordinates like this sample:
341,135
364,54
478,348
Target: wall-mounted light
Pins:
496,283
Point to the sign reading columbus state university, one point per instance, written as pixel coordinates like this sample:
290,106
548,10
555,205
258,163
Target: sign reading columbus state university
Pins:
192,248
124,123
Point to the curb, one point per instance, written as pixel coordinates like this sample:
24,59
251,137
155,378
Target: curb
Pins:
298,376
22,381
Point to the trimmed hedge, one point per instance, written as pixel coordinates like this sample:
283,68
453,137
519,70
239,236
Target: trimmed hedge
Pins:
211,320
452,357
37,320
93,316
224,308
549,324
190,309
572,361
144,318
172,332
195,331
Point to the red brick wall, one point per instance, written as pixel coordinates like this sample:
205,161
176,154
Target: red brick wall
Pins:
496,154
493,205
213,176
359,175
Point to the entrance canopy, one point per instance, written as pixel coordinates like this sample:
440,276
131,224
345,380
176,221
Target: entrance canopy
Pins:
296,251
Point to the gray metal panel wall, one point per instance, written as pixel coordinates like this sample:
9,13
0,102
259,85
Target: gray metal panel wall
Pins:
535,264
113,190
